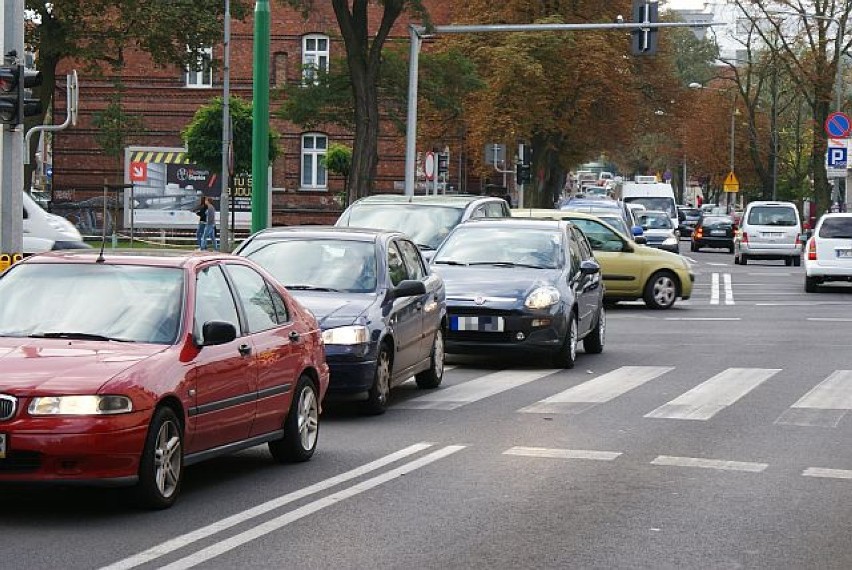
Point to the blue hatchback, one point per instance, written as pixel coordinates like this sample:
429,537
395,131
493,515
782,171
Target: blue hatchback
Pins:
382,312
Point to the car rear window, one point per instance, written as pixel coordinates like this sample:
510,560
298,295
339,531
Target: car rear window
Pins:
772,216
836,228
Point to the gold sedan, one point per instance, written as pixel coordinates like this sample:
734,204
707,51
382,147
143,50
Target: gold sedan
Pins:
630,271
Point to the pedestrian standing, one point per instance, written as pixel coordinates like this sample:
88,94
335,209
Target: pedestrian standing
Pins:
210,224
201,212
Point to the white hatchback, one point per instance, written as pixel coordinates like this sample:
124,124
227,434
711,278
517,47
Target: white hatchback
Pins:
769,230
828,255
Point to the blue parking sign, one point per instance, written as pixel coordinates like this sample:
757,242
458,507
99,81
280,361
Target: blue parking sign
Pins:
837,157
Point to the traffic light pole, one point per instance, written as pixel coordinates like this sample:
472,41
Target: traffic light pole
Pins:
12,143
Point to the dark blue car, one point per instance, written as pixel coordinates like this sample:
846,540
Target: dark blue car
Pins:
522,285
383,313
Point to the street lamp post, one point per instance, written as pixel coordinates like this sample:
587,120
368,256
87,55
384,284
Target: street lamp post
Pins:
734,113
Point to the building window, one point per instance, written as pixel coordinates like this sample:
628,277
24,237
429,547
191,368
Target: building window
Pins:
314,56
314,146
201,74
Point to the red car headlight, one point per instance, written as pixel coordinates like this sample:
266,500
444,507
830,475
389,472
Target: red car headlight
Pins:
80,405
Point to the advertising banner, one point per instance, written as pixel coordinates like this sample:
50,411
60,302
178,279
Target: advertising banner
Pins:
167,190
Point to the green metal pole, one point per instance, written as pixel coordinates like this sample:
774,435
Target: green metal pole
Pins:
260,119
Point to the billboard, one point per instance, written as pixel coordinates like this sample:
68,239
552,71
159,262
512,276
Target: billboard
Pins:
167,188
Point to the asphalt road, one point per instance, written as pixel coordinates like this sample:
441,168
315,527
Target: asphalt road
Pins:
713,435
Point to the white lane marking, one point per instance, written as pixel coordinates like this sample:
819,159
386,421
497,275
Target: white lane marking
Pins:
719,264
824,405
474,390
691,260
827,473
823,320
597,390
563,453
729,290
714,289
183,540
701,318
719,464
807,304
771,274
711,397
228,544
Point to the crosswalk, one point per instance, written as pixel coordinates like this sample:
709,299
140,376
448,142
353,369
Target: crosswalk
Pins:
823,402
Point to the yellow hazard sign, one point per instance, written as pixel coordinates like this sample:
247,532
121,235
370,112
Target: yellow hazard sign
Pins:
731,183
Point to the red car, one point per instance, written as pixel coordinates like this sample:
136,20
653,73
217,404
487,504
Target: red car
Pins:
123,369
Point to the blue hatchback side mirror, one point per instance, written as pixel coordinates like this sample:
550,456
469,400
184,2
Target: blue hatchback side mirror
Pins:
638,231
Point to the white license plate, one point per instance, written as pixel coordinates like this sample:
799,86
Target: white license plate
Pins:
478,324
2,445
844,253
717,232
771,234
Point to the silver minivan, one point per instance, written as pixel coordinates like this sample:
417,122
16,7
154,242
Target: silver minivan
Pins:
769,230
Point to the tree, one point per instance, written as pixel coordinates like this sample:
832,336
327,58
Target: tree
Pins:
96,34
114,126
363,57
203,136
338,160
809,39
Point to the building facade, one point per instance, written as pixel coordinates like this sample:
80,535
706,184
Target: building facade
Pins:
165,100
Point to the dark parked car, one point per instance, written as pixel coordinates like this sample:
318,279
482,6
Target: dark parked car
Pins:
524,285
131,366
382,312
425,219
714,231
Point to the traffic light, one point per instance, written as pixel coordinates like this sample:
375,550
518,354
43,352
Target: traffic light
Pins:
15,101
523,174
645,39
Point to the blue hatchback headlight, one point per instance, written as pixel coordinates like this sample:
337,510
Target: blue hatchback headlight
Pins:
542,298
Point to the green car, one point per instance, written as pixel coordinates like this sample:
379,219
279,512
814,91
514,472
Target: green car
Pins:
630,271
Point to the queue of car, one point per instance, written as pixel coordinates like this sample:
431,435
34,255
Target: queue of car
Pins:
133,366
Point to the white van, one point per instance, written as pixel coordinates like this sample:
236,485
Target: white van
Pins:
653,195
769,230
44,231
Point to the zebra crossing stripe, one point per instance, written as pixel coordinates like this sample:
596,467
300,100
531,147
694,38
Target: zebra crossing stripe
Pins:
824,405
714,289
711,397
729,290
474,390
563,453
701,463
598,390
827,473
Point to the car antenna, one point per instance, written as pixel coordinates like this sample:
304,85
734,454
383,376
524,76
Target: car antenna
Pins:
100,258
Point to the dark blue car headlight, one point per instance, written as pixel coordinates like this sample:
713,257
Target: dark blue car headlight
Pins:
346,336
542,298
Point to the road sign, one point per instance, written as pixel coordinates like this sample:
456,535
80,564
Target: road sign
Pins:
731,183
837,156
838,125
429,165
138,171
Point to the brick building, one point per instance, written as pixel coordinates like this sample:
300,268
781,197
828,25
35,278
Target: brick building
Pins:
166,99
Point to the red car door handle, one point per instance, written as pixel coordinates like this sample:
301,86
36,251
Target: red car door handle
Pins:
245,349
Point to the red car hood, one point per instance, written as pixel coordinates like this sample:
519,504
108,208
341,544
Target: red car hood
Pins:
30,367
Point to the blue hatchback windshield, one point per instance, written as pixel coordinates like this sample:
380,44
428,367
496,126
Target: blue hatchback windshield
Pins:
320,264
129,303
476,245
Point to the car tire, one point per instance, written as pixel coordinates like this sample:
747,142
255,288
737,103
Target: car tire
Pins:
743,259
731,250
566,356
788,262
377,397
797,261
660,291
593,343
161,463
811,284
432,377
301,426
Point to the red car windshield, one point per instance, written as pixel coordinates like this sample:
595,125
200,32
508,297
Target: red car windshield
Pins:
128,303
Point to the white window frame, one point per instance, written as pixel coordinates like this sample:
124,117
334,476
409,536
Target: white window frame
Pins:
314,58
201,78
318,175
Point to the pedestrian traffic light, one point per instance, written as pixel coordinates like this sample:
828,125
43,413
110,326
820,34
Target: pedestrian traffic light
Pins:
523,174
15,101
645,39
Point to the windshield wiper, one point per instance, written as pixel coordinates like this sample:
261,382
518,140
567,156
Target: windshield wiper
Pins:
449,262
509,264
77,336
311,288
425,246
